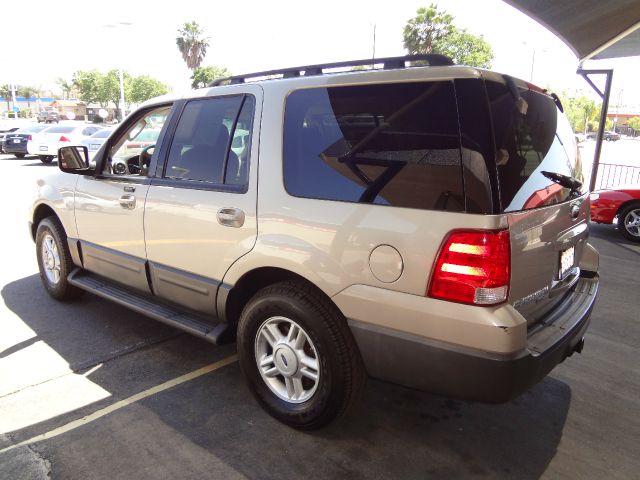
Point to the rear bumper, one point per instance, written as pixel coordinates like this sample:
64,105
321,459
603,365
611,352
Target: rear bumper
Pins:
472,374
15,148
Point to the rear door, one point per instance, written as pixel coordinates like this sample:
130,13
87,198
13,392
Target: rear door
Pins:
548,222
200,213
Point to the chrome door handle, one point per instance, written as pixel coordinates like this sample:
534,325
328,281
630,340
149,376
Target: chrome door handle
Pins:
128,202
231,217
129,188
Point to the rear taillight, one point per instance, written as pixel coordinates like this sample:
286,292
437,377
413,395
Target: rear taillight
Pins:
473,267
29,138
64,139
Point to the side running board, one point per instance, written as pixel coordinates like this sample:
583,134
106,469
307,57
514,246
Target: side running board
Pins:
146,306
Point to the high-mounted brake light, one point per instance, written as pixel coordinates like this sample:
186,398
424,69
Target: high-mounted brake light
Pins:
473,267
64,139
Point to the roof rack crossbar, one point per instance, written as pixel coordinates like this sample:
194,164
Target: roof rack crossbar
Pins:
388,63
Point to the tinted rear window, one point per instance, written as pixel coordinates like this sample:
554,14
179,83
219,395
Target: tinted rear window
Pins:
60,130
390,144
540,139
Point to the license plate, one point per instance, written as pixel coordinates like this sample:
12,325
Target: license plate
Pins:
16,140
567,258
94,146
44,148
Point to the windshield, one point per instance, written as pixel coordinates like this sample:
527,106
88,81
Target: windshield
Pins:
531,138
32,129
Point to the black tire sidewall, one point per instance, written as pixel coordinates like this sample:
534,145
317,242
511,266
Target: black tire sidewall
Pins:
327,399
62,290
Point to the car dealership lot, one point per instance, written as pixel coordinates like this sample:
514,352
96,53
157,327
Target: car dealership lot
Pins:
72,372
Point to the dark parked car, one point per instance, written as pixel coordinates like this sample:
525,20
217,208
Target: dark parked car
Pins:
16,142
611,136
3,134
48,116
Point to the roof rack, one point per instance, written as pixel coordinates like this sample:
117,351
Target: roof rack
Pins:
433,60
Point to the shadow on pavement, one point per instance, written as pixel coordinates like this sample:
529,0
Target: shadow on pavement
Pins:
212,424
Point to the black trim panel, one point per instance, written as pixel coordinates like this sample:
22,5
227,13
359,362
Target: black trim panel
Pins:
461,372
121,267
193,291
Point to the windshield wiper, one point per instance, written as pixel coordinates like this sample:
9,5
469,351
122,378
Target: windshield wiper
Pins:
564,180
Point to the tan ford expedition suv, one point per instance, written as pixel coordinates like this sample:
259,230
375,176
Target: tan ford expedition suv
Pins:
425,225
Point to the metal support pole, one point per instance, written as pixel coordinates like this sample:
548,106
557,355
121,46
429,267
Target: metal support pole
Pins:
603,115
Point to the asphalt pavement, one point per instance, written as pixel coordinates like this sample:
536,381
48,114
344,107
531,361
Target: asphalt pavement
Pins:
90,390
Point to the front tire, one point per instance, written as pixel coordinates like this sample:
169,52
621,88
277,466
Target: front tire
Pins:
54,260
298,355
629,222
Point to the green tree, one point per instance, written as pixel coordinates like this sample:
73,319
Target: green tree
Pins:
634,123
581,111
465,48
426,28
88,85
203,76
432,31
143,88
192,44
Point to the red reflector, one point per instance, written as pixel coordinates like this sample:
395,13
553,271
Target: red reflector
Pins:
64,139
473,267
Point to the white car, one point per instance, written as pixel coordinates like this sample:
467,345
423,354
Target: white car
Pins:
46,143
95,141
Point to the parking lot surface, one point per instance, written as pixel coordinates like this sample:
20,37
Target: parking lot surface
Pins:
91,390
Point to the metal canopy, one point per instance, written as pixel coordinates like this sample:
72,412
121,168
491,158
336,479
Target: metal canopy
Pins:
593,29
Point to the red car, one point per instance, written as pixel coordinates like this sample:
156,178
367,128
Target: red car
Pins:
624,203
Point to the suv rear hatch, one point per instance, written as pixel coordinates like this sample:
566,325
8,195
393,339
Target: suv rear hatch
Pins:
543,192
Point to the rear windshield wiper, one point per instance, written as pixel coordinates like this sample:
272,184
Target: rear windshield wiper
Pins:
564,180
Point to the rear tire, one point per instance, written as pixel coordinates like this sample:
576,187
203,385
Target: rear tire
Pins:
19,155
54,260
629,222
46,159
298,355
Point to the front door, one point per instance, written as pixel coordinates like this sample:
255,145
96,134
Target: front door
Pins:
109,207
200,214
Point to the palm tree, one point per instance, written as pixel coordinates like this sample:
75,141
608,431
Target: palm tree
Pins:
5,91
65,86
192,44
28,92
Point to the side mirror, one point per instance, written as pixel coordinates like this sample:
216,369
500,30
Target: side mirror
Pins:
74,160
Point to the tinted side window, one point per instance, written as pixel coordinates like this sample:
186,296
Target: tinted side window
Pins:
390,144
201,141
530,139
237,172
478,154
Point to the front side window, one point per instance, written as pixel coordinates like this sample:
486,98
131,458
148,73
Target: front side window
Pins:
131,152
388,144
211,141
